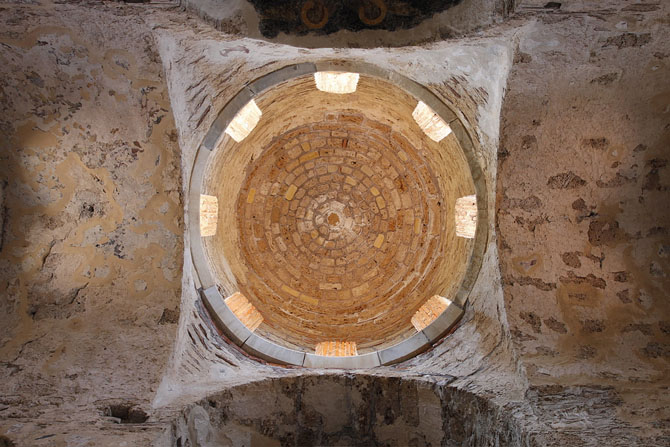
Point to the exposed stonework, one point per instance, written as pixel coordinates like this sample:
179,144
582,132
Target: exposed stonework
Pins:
594,178
481,321
338,219
358,410
568,347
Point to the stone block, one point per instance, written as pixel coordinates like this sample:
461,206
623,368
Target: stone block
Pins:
404,350
353,362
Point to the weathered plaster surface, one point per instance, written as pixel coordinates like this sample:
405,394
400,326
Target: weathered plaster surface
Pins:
90,265
582,205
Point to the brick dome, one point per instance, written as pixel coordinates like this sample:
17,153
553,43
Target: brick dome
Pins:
337,215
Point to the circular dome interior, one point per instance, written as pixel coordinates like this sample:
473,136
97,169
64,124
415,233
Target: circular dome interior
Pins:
337,213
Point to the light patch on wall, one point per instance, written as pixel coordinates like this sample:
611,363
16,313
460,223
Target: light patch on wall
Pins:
336,348
244,122
466,216
244,311
429,311
430,122
209,212
336,82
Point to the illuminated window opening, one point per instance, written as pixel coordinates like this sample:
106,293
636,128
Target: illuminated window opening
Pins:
466,216
244,122
336,82
336,348
209,213
430,122
429,312
244,311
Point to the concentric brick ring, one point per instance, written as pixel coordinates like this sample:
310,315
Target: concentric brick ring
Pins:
340,224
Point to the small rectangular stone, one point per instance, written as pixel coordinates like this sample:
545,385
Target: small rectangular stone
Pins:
291,166
379,241
280,243
360,290
317,143
406,200
309,156
251,195
290,290
294,152
370,274
291,192
308,299
276,213
366,169
288,179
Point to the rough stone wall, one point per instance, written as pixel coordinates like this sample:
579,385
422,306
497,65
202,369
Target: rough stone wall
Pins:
582,205
359,410
400,410
90,257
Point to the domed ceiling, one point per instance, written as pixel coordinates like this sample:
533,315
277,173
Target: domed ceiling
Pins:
337,202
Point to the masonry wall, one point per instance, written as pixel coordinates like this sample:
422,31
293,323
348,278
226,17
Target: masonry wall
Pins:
91,242
582,204
104,338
